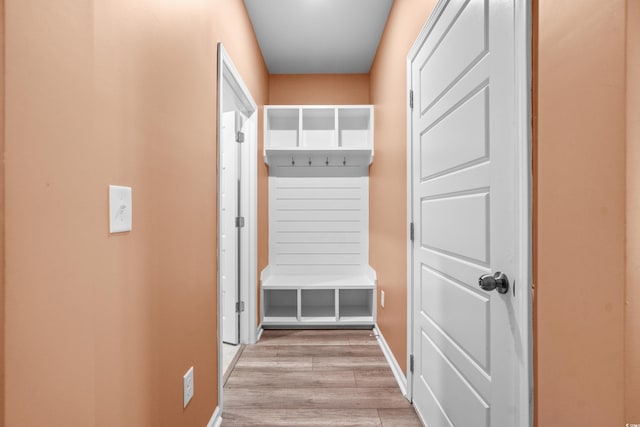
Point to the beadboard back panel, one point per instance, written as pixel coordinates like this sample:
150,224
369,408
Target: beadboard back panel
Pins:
318,225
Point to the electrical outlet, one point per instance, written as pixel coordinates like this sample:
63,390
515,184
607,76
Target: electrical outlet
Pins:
188,386
381,298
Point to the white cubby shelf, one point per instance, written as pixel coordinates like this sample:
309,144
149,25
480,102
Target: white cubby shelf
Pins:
318,273
318,136
318,299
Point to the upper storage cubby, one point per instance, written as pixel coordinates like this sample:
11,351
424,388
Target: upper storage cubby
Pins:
318,128
281,127
318,139
354,127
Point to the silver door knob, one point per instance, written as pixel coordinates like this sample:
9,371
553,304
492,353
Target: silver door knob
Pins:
498,281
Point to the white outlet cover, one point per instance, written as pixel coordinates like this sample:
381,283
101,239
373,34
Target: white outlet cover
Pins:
382,298
120,215
188,387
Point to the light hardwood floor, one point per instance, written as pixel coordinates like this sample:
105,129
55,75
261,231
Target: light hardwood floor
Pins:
315,378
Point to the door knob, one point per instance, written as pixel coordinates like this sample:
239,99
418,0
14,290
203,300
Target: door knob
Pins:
498,281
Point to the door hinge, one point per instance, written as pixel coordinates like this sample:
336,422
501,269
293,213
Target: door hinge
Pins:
240,307
411,99
240,137
239,221
411,232
411,363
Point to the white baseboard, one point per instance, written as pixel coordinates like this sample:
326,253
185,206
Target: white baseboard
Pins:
391,360
216,418
259,333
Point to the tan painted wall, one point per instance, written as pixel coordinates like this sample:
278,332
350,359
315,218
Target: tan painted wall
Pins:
580,213
100,328
632,343
388,201
2,272
122,317
318,89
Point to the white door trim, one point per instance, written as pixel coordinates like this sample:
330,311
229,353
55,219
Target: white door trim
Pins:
248,283
422,36
524,219
523,189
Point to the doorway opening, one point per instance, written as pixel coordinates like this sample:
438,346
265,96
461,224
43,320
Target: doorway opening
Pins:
237,215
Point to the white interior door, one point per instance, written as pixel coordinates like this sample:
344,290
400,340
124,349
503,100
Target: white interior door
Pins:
229,261
465,339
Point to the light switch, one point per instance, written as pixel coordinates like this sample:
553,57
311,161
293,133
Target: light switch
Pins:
119,209
187,387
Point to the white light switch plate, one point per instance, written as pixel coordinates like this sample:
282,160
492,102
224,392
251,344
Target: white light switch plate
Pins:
119,209
381,298
188,386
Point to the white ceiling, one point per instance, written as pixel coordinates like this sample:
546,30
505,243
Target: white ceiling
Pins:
318,36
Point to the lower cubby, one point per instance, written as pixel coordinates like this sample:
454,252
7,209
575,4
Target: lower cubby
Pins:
318,304
298,307
355,303
281,304
318,300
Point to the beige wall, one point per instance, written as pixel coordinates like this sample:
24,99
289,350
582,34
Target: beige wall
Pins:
388,201
2,272
100,328
318,89
580,213
632,372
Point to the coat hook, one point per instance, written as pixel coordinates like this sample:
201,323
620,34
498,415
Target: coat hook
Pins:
344,162
309,161
293,162
327,162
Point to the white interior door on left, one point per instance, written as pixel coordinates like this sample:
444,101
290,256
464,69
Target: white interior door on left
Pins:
229,263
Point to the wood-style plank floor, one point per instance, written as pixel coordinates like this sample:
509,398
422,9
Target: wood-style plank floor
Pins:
315,378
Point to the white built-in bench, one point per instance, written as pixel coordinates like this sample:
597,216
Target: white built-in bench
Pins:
318,273
320,299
